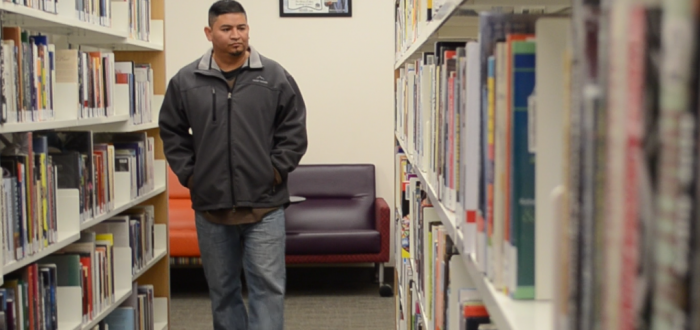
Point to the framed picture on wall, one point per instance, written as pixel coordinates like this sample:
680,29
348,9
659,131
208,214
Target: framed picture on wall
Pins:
315,8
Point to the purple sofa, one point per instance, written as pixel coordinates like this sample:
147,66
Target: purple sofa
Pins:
341,220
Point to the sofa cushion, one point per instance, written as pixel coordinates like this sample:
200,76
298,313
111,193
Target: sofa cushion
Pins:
184,244
329,214
338,197
175,189
333,181
333,242
182,228
181,215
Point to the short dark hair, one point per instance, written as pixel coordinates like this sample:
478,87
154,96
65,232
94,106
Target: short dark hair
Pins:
222,7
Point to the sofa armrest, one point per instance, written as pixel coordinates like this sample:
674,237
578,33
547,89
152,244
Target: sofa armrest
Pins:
383,225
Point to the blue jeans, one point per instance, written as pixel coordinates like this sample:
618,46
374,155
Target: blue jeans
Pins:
259,250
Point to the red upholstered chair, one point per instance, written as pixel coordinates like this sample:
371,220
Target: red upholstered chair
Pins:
183,231
341,220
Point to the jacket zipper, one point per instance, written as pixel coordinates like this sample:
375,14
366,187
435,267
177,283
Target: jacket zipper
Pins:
230,158
213,103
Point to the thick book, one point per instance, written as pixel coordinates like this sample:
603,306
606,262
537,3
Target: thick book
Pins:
523,184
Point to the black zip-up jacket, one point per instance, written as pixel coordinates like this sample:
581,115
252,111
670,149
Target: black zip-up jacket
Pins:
240,135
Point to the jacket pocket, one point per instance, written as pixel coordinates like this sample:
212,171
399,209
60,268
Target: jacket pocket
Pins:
211,180
213,104
255,177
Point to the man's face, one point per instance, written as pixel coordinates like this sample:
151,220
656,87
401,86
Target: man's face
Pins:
229,34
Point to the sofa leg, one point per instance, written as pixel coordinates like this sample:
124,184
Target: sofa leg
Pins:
385,290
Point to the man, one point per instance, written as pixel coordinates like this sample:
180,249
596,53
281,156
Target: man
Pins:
248,119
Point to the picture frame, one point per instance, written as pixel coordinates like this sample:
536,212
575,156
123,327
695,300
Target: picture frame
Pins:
315,8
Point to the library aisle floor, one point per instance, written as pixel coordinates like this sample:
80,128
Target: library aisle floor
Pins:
317,298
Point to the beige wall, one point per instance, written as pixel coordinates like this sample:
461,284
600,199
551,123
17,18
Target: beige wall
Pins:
344,67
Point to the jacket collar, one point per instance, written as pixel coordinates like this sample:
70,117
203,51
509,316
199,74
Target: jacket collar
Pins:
207,62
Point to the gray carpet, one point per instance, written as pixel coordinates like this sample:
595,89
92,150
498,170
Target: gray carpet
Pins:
317,298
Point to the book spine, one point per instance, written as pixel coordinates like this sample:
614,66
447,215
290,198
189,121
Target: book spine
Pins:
523,185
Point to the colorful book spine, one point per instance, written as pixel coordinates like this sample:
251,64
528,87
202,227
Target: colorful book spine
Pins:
523,169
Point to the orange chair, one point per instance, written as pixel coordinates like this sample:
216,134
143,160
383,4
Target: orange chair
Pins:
183,231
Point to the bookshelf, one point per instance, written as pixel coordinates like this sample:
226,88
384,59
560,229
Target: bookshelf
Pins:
455,21
64,23
66,31
505,312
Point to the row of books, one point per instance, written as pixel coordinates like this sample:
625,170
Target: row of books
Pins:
433,277
466,113
412,17
38,165
136,313
137,224
29,186
139,19
49,6
31,294
29,298
35,77
28,76
113,154
98,12
629,204
139,80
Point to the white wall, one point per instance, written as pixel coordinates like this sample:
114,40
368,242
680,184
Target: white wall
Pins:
344,67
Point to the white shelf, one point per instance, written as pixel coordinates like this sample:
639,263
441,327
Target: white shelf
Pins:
64,239
159,254
124,127
506,313
121,295
123,207
59,124
144,45
127,125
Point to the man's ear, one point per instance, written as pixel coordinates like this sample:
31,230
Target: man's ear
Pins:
207,32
